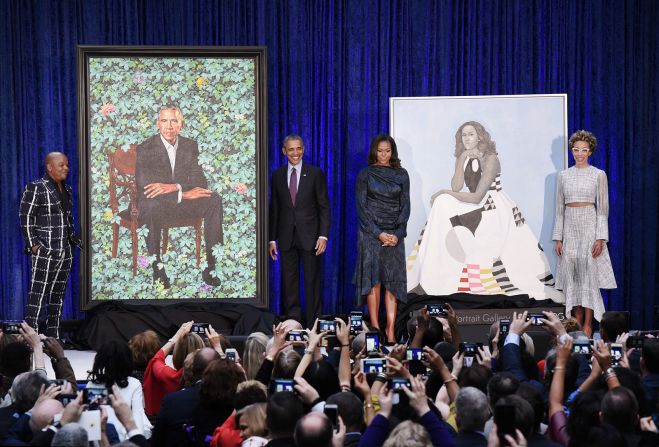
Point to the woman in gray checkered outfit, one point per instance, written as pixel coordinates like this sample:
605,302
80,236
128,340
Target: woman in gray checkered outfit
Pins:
581,232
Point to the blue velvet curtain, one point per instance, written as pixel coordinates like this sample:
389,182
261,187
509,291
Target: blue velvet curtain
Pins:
332,65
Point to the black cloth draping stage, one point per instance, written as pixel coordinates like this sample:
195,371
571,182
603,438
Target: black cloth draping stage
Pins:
115,320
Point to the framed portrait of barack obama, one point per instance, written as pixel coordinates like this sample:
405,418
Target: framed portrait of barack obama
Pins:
172,147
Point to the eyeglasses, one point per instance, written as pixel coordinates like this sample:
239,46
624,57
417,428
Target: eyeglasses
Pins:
580,150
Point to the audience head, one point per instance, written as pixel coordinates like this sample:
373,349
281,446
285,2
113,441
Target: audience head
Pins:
187,377
572,325
70,435
476,376
408,434
350,409
358,343
620,409
314,430
322,376
286,363
433,334
292,325
143,347
25,389
253,354
43,413
15,359
283,411
571,372
500,385
248,393
471,409
251,421
220,381
650,355
613,324
605,435
584,414
202,358
113,363
524,416
531,395
188,343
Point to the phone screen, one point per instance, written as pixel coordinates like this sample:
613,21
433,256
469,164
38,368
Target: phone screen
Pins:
375,366
372,342
355,322
616,353
279,385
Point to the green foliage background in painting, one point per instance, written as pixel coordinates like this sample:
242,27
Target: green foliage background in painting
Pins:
218,100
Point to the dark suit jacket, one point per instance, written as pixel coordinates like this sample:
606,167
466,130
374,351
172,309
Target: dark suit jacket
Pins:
310,216
183,408
470,439
43,219
153,167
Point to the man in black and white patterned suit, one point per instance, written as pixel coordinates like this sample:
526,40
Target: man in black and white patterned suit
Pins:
47,224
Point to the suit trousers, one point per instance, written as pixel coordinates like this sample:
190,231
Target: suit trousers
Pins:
290,281
154,212
49,278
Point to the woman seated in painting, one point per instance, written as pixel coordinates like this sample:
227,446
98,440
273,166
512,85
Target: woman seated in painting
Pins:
476,241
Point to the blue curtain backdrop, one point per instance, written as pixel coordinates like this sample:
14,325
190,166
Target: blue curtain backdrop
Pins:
332,65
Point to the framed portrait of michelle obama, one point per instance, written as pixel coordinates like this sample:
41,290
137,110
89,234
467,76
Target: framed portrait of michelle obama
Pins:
173,181
527,137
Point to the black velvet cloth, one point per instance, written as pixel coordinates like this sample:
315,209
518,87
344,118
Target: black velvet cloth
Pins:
119,321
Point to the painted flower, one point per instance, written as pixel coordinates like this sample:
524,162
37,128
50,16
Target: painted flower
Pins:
108,214
240,116
203,287
107,109
143,261
241,188
200,81
139,78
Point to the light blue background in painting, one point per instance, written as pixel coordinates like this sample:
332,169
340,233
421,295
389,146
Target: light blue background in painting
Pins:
530,132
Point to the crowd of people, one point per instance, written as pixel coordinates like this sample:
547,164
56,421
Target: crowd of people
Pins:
318,387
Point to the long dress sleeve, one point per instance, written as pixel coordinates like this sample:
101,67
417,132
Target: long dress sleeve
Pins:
602,205
560,209
366,218
401,229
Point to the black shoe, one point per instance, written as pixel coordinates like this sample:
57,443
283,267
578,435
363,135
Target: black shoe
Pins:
159,274
208,279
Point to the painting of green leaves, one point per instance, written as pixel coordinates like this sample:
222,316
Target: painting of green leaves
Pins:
218,98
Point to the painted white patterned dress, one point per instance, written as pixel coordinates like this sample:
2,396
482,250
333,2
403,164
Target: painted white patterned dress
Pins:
485,248
579,275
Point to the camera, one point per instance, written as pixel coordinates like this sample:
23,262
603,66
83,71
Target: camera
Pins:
616,353
332,413
415,354
635,341
437,310
356,319
279,385
326,326
11,327
231,354
470,349
582,347
296,336
95,396
199,328
535,319
398,383
375,366
372,342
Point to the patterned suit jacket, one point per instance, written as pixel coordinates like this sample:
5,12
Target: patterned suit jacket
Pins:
44,221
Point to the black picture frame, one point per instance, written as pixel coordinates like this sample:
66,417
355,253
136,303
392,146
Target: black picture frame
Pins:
231,63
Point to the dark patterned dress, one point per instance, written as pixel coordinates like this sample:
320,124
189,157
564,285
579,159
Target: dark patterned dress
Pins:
383,205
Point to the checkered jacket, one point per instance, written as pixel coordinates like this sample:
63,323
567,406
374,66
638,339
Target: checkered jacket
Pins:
43,220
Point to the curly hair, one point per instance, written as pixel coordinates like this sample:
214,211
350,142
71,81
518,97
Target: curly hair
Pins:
113,364
485,143
408,434
394,161
584,135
